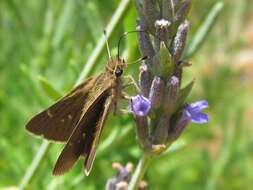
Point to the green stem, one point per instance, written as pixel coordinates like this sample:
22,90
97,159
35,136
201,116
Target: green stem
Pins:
115,20
44,147
204,30
139,171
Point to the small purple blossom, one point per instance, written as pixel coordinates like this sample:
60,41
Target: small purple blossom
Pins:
140,105
193,112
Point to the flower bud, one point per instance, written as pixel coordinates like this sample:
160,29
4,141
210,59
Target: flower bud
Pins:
180,15
172,89
145,80
156,92
180,124
162,28
148,13
143,185
161,133
145,45
151,12
182,12
178,44
122,185
121,179
177,4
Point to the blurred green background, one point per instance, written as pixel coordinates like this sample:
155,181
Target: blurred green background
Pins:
43,41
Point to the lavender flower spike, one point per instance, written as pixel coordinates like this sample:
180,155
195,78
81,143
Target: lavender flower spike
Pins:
140,105
193,112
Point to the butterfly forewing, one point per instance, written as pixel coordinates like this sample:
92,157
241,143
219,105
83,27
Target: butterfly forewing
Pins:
78,118
58,121
83,137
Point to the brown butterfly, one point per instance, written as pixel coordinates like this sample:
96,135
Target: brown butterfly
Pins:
78,118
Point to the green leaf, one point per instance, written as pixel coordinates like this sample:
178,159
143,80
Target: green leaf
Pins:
162,61
203,30
90,14
183,94
49,89
167,66
181,15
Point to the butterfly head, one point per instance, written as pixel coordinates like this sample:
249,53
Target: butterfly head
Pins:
116,67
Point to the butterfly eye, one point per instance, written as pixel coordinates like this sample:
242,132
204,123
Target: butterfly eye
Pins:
118,72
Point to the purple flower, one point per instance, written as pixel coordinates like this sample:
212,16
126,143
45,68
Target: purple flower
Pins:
193,112
140,105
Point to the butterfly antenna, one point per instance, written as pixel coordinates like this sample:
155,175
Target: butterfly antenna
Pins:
107,45
124,35
138,60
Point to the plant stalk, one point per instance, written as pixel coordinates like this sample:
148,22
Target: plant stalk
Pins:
44,147
95,55
139,171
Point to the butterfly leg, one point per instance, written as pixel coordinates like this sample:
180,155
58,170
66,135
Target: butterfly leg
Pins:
125,96
118,111
116,95
116,108
131,82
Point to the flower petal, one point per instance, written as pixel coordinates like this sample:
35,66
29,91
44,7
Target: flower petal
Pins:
200,105
200,118
140,105
193,112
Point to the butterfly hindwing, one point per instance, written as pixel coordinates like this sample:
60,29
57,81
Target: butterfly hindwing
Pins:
83,137
91,148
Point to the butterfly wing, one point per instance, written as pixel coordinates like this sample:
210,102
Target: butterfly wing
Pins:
93,139
58,121
84,138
